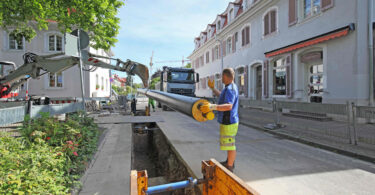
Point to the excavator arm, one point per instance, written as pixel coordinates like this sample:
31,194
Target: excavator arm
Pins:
36,66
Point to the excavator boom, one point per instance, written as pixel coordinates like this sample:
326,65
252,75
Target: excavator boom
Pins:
35,66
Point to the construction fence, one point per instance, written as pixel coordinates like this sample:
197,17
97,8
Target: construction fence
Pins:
345,123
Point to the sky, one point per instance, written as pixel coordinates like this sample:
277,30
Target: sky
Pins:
167,27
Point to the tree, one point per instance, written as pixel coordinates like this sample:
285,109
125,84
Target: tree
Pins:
98,17
153,82
188,65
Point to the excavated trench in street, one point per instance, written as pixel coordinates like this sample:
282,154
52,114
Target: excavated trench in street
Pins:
152,151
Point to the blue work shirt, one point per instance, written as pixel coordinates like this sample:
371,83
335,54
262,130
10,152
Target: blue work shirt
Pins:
229,96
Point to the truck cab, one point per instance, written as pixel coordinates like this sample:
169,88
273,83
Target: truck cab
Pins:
179,81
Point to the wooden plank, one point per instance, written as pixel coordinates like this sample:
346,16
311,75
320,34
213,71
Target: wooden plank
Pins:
133,183
225,182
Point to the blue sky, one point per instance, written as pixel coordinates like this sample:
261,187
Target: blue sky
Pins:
167,27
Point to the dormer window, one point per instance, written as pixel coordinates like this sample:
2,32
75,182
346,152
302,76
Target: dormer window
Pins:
218,25
231,16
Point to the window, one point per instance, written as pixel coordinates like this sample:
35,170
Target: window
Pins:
201,60
97,81
229,45
54,43
245,36
240,80
55,80
316,83
217,52
218,25
102,83
15,44
231,15
310,7
269,22
186,77
207,57
279,77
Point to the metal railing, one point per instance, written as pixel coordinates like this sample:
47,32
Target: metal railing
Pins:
17,114
346,123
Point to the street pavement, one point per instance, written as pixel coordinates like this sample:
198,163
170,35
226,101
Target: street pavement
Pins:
331,134
109,171
268,163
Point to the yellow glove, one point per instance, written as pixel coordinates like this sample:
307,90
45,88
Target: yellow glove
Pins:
211,83
207,107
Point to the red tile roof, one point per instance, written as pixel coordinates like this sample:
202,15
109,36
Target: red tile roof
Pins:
240,10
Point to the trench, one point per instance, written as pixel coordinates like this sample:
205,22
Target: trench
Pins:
152,151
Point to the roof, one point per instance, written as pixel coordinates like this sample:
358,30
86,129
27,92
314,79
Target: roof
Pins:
312,41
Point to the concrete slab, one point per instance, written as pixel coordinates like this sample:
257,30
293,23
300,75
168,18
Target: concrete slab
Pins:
119,119
110,170
267,163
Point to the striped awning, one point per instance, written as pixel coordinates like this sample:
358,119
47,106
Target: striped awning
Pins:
312,41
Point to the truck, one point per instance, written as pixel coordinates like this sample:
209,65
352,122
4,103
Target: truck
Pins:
178,80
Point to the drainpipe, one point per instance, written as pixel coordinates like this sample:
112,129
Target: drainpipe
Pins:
371,52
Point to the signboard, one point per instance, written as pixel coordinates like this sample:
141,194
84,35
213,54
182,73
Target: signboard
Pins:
312,57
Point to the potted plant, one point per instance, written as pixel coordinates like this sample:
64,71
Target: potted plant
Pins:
97,87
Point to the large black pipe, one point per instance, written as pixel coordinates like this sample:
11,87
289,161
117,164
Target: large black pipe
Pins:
184,104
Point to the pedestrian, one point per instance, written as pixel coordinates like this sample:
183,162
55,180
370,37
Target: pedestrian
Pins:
227,115
152,103
134,105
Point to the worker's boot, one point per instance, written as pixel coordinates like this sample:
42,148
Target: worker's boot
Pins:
230,168
225,164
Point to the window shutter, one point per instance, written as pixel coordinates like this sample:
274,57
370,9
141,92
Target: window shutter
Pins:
292,12
224,48
247,35
265,79
213,54
243,37
233,44
273,21
246,75
289,76
266,24
326,4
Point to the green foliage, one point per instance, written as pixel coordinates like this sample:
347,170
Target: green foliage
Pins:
50,155
188,65
122,91
95,16
153,82
137,85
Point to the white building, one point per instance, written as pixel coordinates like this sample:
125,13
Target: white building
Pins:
291,50
63,84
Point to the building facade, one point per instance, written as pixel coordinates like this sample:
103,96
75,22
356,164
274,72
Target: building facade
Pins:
290,50
62,84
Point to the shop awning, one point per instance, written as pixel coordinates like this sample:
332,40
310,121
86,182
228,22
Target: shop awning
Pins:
312,41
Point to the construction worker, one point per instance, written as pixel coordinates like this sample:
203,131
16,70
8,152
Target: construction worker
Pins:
152,103
227,108
134,106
